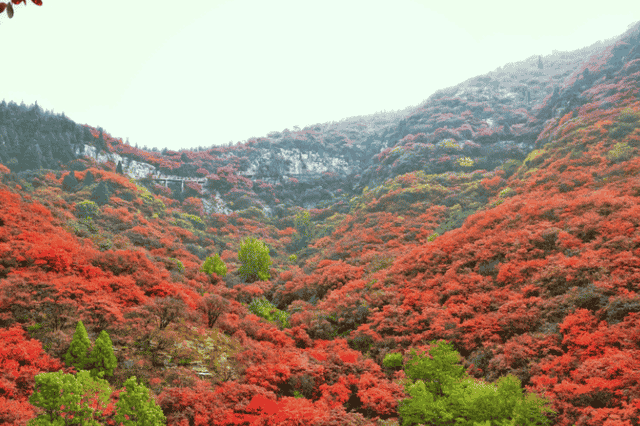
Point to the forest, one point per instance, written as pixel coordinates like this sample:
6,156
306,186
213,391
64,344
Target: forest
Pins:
467,273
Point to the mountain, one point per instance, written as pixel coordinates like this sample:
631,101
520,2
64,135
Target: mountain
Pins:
500,216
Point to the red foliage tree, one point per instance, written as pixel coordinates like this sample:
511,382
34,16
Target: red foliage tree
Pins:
21,359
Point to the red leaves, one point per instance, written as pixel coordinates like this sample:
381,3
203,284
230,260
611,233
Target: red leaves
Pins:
9,7
21,359
379,396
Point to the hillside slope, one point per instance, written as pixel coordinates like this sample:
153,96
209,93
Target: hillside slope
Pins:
507,226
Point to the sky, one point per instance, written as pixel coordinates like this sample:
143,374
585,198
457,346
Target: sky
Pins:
183,74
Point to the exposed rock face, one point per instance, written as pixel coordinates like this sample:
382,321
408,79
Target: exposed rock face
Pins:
132,168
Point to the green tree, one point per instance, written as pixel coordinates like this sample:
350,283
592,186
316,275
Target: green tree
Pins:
69,182
214,265
78,353
442,392
136,403
255,259
102,360
75,393
304,230
100,194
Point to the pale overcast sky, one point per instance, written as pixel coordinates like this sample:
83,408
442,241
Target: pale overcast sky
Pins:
181,74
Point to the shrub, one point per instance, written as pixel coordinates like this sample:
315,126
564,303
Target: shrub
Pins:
214,265
196,250
441,392
255,259
620,152
86,209
265,309
392,360
196,221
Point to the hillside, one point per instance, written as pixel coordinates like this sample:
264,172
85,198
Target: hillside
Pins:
497,216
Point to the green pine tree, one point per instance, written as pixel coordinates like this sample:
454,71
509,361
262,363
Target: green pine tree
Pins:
136,403
102,360
78,353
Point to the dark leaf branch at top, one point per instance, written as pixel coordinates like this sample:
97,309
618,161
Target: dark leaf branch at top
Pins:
9,7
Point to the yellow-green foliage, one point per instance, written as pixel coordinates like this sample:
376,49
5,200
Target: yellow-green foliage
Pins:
82,228
432,236
628,121
180,223
293,258
628,115
392,195
620,152
450,143
214,265
304,230
195,220
86,208
392,360
529,161
535,158
265,309
159,205
252,213
91,226
27,187
507,192
148,198
396,150
465,162
330,224
254,255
